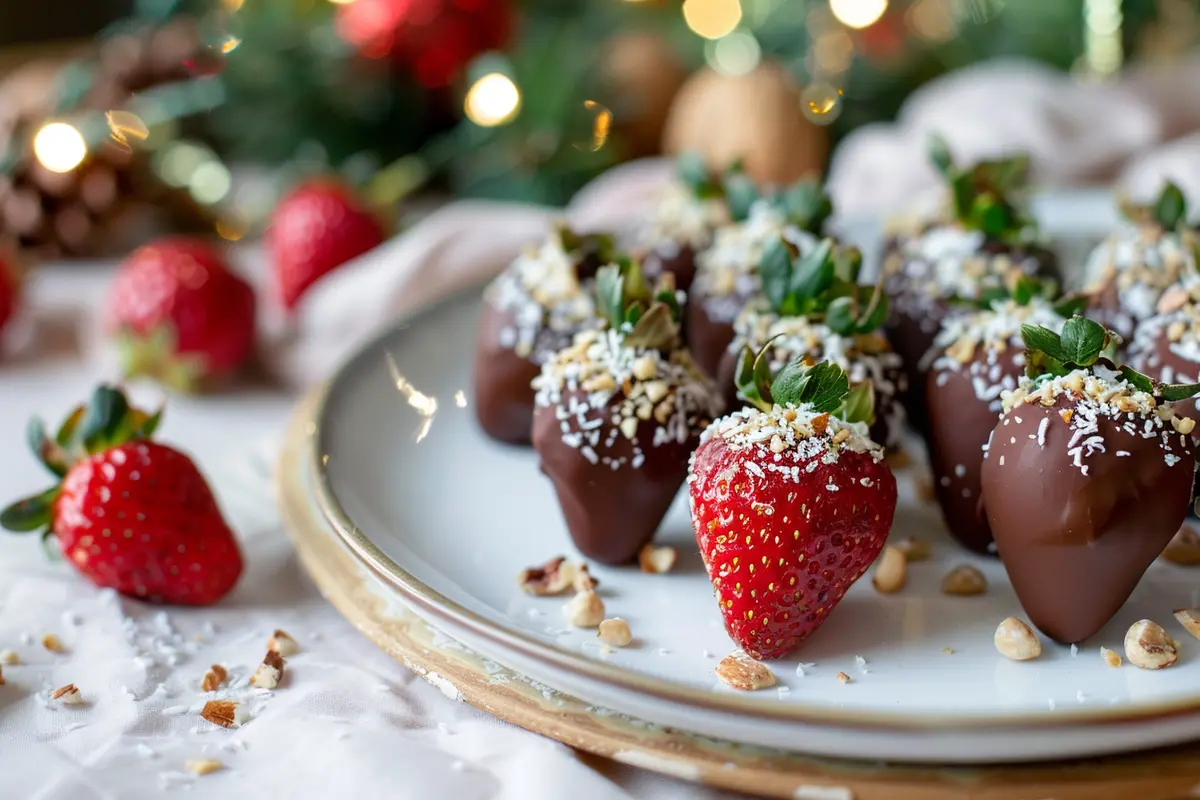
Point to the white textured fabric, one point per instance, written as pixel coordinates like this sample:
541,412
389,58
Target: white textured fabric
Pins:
347,721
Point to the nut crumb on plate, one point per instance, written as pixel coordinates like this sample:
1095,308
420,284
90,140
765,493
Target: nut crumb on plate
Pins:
615,632
203,766
215,676
1016,640
892,571
948,651
269,672
53,643
1110,657
585,610
283,643
914,549
68,695
657,560
1189,618
1184,548
1148,646
584,580
843,677
964,580
9,658
740,671
554,577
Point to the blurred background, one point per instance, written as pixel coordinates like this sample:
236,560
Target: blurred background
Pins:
139,115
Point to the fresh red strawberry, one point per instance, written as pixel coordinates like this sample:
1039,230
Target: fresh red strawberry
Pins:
180,315
10,288
790,502
130,514
314,230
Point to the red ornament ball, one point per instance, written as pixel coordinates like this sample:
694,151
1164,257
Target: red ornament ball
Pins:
432,39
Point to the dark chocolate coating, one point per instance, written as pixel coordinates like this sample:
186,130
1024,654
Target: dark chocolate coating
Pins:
1075,545
681,263
611,513
1168,366
911,338
707,338
503,390
959,426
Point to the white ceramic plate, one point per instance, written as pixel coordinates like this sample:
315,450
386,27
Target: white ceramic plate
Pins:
447,518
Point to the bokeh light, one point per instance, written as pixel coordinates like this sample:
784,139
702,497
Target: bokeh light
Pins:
492,100
232,5
210,183
833,51
341,2
735,54
125,127
933,20
59,147
712,19
858,13
601,125
821,102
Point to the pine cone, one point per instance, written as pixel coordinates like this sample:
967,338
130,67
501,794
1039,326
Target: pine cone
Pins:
113,199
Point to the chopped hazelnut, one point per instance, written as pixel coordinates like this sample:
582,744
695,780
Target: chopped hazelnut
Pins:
843,677
9,658
892,572
203,766
585,610
1184,425
964,580
213,679
1014,639
1184,548
629,427
657,390
1189,618
269,672
615,632
657,560
842,435
1110,657
914,549
67,695
53,643
221,712
281,642
583,580
740,671
1148,646
552,578
644,368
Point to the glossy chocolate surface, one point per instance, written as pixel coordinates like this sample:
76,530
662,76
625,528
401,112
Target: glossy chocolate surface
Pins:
1075,545
679,260
707,337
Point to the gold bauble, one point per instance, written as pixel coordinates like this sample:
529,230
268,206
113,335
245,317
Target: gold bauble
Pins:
756,117
642,73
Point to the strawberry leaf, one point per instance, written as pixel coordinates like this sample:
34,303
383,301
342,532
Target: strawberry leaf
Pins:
47,451
740,192
103,419
1170,209
1174,392
806,205
1082,341
66,432
610,294
754,377
654,330
1045,341
823,386
1139,381
31,513
812,276
859,405
939,154
1070,305
775,269
693,171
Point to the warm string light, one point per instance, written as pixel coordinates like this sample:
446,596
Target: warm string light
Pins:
125,127
858,13
1102,40
735,54
712,19
601,126
59,147
492,100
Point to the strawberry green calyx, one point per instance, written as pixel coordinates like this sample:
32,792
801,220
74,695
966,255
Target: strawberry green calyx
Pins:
822,285
646,318
597,247
1083,345
983,192
824,387
1169,210
804,204
1023,289
156,356
105,422
732,185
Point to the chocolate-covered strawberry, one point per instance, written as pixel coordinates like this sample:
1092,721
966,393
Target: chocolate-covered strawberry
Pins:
1088,475
1153,250
791,502
975,358
530,311
813,308
687,212
986,238
1166,346
727,272
618,412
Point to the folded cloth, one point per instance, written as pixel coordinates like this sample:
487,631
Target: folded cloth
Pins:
1074,132
459,245
1178,161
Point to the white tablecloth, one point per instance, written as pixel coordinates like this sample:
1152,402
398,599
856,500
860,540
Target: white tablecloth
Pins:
346,722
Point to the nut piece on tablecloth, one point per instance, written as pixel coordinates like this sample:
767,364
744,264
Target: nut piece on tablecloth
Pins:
68,695
585,610
1014,639
269,672
614,632
742,672
1189,618
1184,548
1110,657
964,580
204,766
213,679
657,560
9,658
281,642
914,549
225,713
1148,646
892,572
53,644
